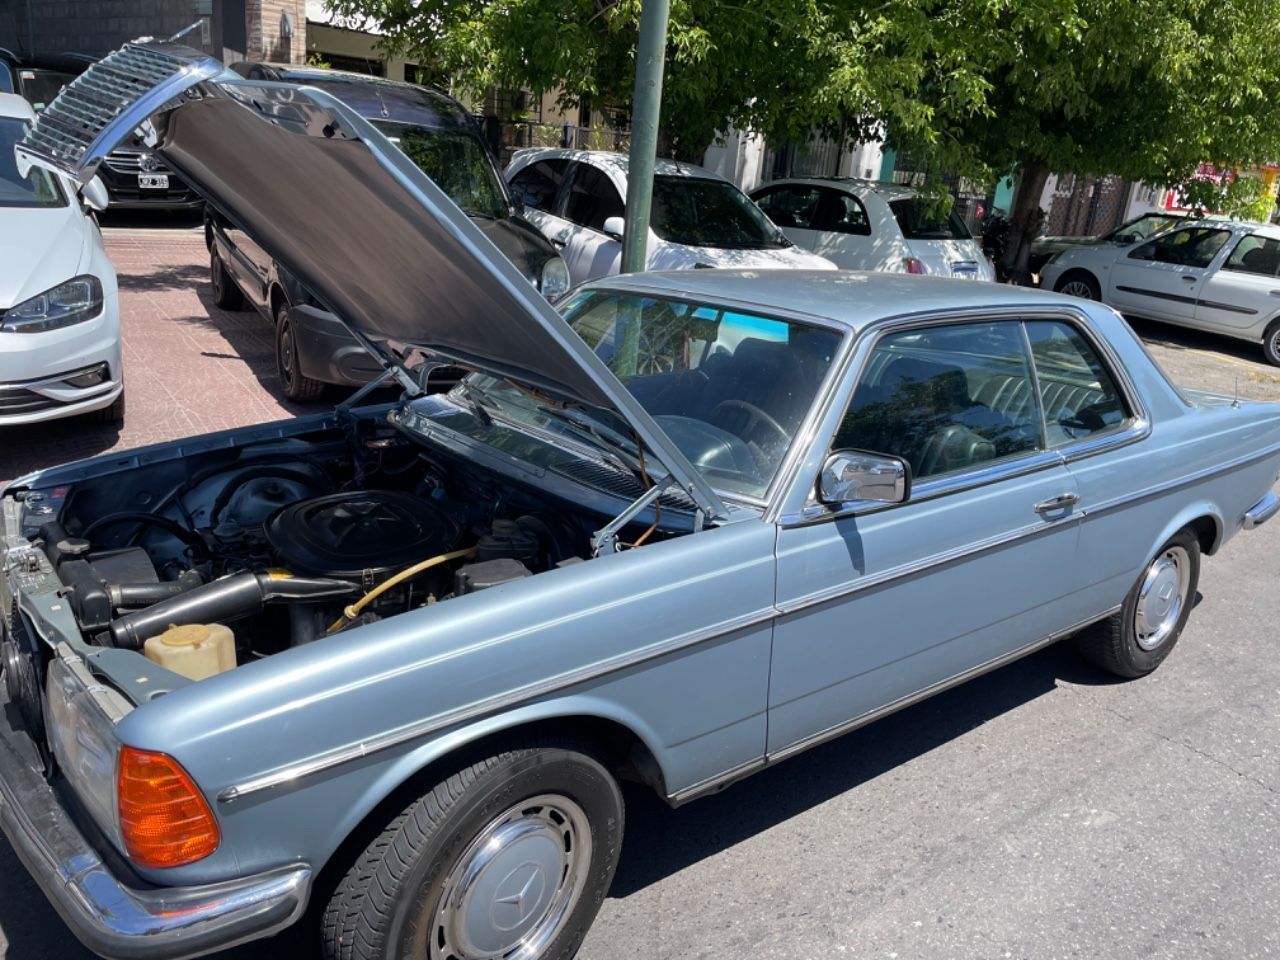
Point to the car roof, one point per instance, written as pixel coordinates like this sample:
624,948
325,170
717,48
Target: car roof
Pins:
855,185
15,107
617,163
850,298
376,98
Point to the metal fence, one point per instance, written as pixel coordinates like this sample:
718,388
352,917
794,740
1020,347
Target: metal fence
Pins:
508,136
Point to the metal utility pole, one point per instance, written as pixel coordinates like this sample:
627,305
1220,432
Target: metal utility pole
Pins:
646,107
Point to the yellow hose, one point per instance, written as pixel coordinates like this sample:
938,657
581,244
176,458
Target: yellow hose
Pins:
353,611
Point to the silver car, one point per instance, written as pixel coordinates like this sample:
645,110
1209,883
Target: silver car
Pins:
393,662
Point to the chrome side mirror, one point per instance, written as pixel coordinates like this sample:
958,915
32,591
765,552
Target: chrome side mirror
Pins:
851,475
613,227
94,194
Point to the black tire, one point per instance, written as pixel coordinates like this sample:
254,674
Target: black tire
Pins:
1271,344
1116,644
1079,283
226,295
390,904
296,385
113,414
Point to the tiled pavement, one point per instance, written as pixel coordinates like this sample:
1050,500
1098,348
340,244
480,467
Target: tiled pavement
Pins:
189,367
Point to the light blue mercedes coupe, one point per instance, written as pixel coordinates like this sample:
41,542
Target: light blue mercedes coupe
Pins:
390,663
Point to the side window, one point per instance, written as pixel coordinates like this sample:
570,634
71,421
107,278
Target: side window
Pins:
536,185
1255,254
1079,396
593,198
946,399
1192,247
795,207
842,213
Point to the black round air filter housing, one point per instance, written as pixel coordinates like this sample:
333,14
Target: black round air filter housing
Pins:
360,534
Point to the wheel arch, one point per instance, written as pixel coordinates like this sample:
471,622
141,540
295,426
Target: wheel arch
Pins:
623,742
1203,518
276,296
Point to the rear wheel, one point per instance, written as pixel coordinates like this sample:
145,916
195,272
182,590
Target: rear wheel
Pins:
509,857
1271,344
1079,284
226,294
1136,640
296,384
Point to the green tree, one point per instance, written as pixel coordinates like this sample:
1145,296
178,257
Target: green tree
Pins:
1146,89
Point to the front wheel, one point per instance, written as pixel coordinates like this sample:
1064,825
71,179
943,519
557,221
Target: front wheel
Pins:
1077,283
511,856
1135,641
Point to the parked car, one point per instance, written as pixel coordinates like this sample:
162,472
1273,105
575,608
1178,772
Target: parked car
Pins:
438,134
1140,228
38,80
866,225
1221,276
395,660
577,198
138,179
59,314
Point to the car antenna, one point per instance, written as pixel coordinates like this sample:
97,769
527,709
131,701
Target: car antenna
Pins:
1235,400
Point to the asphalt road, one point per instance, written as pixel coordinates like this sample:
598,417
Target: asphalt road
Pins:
1040,812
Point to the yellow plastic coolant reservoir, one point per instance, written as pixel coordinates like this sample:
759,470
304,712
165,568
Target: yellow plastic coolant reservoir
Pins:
194,650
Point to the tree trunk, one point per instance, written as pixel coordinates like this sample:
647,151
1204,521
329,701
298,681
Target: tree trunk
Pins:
1024,221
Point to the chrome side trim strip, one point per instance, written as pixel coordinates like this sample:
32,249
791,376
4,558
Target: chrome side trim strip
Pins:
904,570
995,663
490,705
718,782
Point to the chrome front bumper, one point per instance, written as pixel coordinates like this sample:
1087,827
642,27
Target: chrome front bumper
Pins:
108,916
1262,511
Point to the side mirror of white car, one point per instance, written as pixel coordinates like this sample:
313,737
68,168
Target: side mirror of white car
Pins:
94,194
613,227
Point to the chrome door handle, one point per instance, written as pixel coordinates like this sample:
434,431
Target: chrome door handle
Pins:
1061,502
1189,278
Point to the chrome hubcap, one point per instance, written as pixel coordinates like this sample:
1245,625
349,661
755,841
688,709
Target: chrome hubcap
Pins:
514,887
1162,597
1077,288
1275,344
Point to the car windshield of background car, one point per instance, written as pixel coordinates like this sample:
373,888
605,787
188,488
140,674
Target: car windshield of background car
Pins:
699,212
38,188
456,163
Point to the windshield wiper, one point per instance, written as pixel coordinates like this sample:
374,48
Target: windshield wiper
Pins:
477,400
587,427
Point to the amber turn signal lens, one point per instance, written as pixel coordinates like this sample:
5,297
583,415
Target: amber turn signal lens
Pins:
164,819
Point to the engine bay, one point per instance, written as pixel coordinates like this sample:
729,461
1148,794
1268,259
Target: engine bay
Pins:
213,560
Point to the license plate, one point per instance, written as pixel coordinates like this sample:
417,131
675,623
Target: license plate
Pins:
153,181
964,273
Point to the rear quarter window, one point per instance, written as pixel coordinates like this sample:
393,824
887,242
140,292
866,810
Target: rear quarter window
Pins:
918,222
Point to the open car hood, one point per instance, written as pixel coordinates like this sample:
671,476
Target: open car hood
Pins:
366,231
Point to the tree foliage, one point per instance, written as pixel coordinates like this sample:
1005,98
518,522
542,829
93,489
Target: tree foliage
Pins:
1238,195
1147,89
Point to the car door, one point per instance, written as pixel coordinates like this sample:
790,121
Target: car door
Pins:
881,602
1244,291
1163,277
537,188
591,198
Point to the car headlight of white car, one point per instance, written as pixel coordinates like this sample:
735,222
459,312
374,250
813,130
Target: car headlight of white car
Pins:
72,302
554,279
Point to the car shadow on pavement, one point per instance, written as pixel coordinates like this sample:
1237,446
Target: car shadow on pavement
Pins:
661,841
166,278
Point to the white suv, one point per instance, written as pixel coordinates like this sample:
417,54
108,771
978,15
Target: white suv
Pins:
867,225
698,219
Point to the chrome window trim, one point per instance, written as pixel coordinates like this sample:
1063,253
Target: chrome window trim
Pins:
1137,428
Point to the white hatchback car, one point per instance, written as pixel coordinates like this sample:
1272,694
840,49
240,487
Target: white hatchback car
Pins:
1212,274
698,219
59,310
869,225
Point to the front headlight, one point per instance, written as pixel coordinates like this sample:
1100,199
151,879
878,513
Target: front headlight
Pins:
84,740
554,280
71,302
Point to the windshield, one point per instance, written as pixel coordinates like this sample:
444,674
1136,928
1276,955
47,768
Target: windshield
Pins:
919,222
729,388
38,188
1140,228
41,86
455,161
699,212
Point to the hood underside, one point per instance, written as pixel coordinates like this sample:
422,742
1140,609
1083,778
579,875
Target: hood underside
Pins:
360,225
